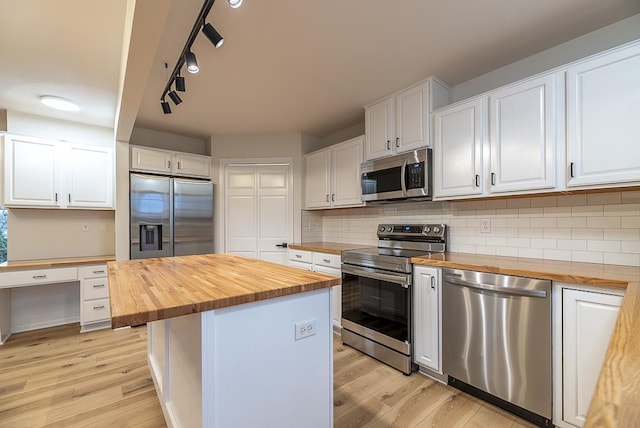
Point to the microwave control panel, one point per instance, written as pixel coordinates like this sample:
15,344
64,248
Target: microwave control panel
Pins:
415,175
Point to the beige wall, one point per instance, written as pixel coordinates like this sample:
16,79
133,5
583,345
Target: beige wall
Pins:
256,147
164,140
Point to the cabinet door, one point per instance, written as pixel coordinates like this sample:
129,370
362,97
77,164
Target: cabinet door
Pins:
89,171
588,320
150,160
318,190
603,96
336,292
412,118
31,172
379,129
426,317
191,165
345,173
458,141
523,135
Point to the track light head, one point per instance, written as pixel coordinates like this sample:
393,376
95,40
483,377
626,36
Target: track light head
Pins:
213,36
175,97
192,63
166,109
234,3
180,84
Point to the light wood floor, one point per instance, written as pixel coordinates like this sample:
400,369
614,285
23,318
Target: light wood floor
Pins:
57,377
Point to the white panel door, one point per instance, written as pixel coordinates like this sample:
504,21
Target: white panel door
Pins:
457,148
89,177
31,172
412,118
426,317
603,99
523,135
380,129
258,211
588,320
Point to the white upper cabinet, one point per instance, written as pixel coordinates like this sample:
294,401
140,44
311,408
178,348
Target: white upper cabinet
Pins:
89,177
458,138
31,174
145,159
603,108
333,175
400,122
522,135
54,174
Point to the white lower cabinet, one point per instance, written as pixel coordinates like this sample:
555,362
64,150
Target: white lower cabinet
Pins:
95,312
323,263
427,285
584,321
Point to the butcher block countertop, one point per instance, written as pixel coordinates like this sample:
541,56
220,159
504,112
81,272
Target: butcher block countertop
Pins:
153,289
616,401
54,263
326,247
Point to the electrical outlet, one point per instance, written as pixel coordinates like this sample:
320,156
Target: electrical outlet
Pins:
305,329
84,227
485,225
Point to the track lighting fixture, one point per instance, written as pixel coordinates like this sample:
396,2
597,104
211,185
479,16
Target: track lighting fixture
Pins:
234,3
180,83
165,107
213,36
192,63
175,97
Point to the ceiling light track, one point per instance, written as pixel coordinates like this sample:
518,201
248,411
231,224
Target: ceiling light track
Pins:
188,57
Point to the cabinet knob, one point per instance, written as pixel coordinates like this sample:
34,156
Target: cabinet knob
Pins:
433,282
388,144
39,276
326,260
98,285
397,142
571,170
327,198
333,197
477,180
493,178
97,308
178,164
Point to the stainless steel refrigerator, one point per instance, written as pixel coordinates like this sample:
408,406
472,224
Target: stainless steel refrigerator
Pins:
170,216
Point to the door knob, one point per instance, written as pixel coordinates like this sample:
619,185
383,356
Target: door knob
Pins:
283,245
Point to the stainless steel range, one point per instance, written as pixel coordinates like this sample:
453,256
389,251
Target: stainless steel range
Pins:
377,290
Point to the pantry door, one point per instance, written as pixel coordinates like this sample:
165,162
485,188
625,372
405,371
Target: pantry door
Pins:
258,212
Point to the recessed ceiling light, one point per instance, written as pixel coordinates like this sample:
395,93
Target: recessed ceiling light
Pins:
235,3
59,103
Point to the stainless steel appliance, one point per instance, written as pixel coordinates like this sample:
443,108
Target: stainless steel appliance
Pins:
170,216
377,289
399,177
496,336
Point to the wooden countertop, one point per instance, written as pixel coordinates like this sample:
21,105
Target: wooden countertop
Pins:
54,263
616,401
153,289
326,247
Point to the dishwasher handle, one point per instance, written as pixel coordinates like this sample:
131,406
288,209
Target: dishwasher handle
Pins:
496,289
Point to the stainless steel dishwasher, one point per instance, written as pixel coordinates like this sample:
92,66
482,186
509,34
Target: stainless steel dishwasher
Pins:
496,340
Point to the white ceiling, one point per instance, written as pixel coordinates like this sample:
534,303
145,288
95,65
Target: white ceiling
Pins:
286,65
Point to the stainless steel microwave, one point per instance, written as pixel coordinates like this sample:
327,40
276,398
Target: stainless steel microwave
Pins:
406,176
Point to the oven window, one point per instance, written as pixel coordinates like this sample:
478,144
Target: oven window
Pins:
386,180
377,305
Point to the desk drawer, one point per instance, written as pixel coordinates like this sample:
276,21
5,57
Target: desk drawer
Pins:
37,276
97,271
95,310
328,260
94,288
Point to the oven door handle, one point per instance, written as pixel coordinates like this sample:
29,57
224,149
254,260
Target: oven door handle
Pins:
493,288
403,280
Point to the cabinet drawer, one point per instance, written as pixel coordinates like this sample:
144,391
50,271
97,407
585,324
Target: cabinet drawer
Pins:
301,256
95,288
37,276
301,265
97,271
95,310
329,260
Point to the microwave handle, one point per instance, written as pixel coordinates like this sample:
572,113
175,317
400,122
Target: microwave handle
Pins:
403,177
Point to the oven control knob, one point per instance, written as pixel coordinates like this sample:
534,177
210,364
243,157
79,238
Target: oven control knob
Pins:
427,229
436,229
389,229
381,229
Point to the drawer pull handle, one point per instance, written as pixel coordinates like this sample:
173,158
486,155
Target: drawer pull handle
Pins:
39,276
97,308
98,285
326,260
298,256
98,271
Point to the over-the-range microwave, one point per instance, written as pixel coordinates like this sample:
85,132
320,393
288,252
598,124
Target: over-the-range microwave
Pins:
406,176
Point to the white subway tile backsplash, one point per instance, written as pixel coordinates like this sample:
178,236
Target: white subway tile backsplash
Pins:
599,227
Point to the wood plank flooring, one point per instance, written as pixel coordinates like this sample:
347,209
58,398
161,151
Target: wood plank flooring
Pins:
57,377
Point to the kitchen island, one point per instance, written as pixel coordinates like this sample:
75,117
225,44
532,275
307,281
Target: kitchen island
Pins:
232,341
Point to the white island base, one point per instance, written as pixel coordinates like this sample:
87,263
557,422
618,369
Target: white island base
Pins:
241,366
